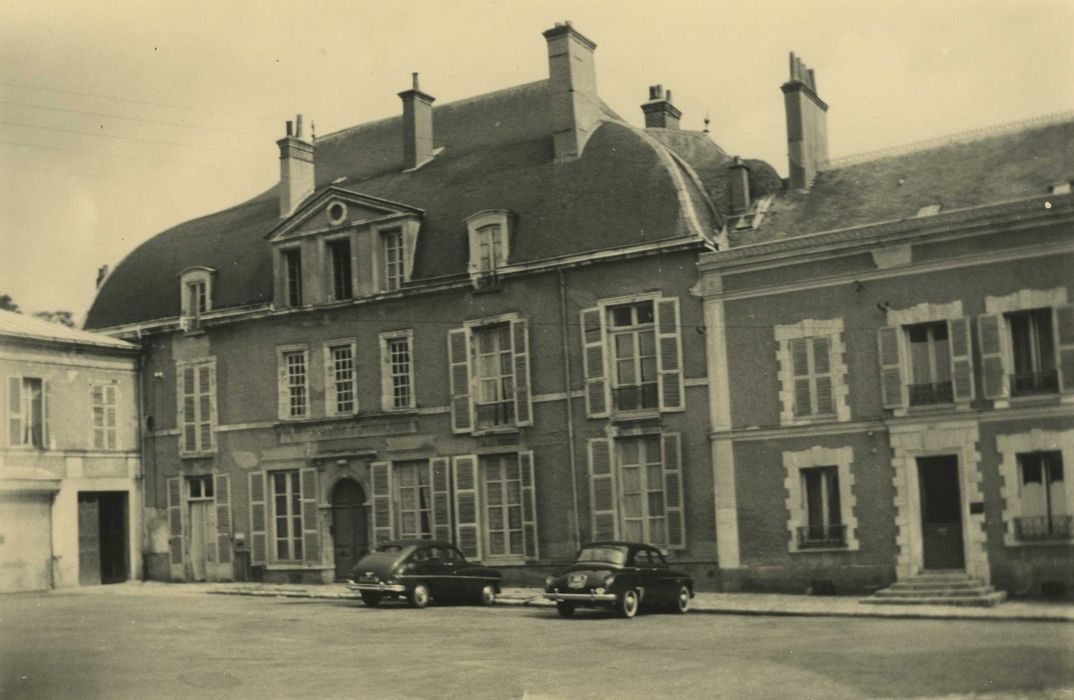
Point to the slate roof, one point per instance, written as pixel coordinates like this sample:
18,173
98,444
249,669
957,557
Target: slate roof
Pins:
16,325
966,172
497,154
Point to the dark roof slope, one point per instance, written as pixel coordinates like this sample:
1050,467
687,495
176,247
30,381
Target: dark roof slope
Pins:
497,153
969,173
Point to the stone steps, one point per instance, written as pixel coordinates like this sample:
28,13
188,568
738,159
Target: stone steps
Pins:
938,588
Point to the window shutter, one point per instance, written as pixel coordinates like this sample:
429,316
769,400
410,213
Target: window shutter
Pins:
210,444
258,533
671,446
441,482
311,517
329,383
46,408
596,384
822,374
283,396
798,349
892,390
462,410
603,500
1064,347
222,490
529,504
958,330
383,517
211,539
188,428
110,416
14,410
175,526
993,370
521,347
669,354
467,510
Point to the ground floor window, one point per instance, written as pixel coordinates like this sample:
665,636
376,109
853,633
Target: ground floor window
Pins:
413,498
642,497
287,514
1045,512
502,491
820,502
824,518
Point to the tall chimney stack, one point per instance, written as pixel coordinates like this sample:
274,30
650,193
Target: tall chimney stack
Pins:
296,168
659,112
740,186
572,81
417,126
807,125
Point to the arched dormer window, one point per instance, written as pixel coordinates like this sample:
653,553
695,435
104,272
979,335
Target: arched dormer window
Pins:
489,234
195,295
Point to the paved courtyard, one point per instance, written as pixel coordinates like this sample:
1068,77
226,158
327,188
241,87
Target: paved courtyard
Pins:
128,642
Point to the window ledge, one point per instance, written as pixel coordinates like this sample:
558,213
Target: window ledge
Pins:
197,455
1041,543
647,414
811,420
297,566
815,550
498,430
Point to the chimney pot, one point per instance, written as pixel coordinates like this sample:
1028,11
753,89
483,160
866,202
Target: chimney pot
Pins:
414,79
290,127
807,129
659,112
296,168
298,126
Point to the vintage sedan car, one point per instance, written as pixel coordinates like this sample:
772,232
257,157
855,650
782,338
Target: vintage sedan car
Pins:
419,571
621,575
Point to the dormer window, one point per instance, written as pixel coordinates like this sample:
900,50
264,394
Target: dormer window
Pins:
195,289
391,245
489,241
490,247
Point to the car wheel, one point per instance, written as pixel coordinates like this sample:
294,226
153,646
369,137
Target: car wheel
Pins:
419,596
488,594
628,604
682,603
565,608
372,600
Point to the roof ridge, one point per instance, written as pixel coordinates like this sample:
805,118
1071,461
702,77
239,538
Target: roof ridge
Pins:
967,136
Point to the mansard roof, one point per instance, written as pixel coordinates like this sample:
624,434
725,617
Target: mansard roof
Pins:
628,188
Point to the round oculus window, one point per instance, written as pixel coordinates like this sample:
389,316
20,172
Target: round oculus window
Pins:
337,211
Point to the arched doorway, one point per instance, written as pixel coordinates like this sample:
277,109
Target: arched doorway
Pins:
349,526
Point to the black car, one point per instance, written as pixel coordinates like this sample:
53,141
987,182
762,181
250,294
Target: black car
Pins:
620,575
420,570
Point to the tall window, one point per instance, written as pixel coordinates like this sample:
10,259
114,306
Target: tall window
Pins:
414,500
495,376
502,486
197,408
633,337
287,515
340,253
1045,511
392,249
295,363
197,298
643,515
342,378
823,512
104,416
930,364
812,369
490,253
26,412
1033,351
292,271
400,393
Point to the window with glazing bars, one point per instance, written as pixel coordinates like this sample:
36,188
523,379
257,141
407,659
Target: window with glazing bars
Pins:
489,247
392,247
340,253
343,377
812,371
296,383
292,270
930,364
1033,352
1045,511
642,490
824,519
287,515
104,417
502,485
495,376
413,499
632,331
399,367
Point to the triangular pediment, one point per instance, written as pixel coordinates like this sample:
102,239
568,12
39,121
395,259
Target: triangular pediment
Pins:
337,208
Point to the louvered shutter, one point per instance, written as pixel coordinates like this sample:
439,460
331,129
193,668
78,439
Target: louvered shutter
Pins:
1064,347
311,517
822,374
210,538
993,370
383,515
206,406
892,389
529,504
46,409
14,410
671,447
110,427
467,508
283,395
440,468
330,397
222,492
669,355
596,383
798,348
258,519
958,330
175,526
520,344
187,411
462,410
603,500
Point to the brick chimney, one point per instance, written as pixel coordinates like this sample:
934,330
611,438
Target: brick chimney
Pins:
740,186
296,168
807,126
572,80
659,112
417,126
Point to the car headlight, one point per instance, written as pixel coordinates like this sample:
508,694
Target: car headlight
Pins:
549,581
609,580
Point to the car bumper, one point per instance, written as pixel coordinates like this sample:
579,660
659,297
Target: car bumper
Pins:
376,587
581,597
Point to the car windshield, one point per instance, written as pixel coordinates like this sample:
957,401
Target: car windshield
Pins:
607,555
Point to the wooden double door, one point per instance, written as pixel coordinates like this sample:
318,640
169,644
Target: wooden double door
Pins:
350,526
103,543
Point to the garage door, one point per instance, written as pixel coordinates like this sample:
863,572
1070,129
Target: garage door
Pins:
25,542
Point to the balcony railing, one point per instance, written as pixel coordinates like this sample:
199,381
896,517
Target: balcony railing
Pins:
822,536
491,415
929,394
1054,527
1029,383
636,397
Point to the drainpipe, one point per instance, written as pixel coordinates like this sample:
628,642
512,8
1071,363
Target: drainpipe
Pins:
570,406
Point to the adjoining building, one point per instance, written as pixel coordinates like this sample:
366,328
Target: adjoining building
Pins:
891,364
474,321
70,472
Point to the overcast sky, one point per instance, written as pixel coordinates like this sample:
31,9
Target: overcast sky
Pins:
120,119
